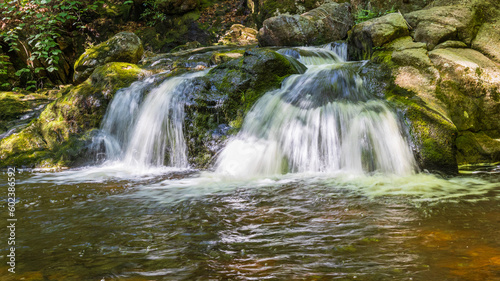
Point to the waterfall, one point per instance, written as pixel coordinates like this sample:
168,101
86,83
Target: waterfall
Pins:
324,120
143,125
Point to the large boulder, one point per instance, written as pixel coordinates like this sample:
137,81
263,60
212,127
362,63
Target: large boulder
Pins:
469,87
436,25
411,88
450,100
366,36
487,40
327,23
447,93
60,134
123,47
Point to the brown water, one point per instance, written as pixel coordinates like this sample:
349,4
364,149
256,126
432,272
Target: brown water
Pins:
188,225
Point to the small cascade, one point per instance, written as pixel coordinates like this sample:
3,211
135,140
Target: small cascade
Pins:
324,120
143,125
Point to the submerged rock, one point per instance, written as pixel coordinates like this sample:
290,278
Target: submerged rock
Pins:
327,23
123,47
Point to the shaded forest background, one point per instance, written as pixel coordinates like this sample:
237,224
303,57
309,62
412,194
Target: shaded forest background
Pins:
41,39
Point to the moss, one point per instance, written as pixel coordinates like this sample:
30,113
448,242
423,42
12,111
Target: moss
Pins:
226,94
60,134
474,148
432,134
153,40
116,75
11,106
123,47
218,58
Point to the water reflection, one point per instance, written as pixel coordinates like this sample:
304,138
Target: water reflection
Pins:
189,225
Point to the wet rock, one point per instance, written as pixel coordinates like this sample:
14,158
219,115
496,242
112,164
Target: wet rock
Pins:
239,35
11,106
219,101
123,47
18,109
187,46
366,36
60,134
411,87
327,23
476,148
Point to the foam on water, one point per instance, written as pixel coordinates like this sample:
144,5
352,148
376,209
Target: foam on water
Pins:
324,120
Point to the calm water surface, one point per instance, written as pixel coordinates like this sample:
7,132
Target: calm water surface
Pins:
105,224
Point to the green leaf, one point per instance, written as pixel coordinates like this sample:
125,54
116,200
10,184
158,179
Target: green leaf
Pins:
21,71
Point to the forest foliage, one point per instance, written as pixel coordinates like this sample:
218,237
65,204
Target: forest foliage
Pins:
34,27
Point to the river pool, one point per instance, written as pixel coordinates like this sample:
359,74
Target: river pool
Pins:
107,223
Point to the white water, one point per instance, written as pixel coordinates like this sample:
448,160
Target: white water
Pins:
323,126
321,121
144,130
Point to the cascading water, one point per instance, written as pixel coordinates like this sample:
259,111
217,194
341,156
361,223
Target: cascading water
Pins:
324,120
143,130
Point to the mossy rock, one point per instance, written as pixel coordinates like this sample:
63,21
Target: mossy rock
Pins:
11,105
123,47
219,58
439,24
19,108
476,148
60,135
432,134
220,100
